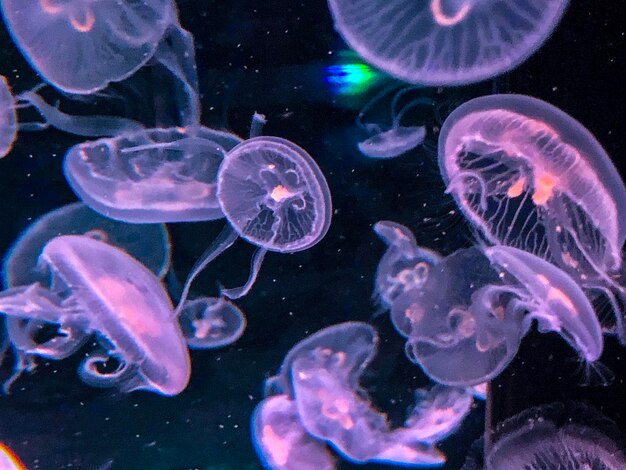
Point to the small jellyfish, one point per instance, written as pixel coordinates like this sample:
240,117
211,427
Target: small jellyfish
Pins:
280,440
8,459
333,407
468,319
152,175
274,196
8,119
528,175
147,243
95,288
209,322
398,139
446,42
404,265
80,46
358,338
554,436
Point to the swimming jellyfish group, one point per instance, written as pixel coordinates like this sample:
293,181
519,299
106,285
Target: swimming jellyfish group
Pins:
544,200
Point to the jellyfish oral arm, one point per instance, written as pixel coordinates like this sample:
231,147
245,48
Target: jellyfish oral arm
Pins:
255,266
223,241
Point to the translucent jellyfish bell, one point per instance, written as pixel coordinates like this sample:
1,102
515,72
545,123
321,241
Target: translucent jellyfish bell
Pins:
79,46
360,339
468,319
397,139
280,440
8,459
557,435
446,42
273,195
8,119
152,175
97,288
403,266
333,407
210,322
528,175
148,243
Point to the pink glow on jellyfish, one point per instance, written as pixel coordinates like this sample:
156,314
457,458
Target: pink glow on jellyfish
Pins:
99,289
529,176
446,42
280,440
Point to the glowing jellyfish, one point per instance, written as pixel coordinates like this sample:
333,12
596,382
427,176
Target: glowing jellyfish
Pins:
209,322
446,42
280,440
397,139
403,266
80,46
468,319
333,407
148,244
528,175
8,119
554,436
8,459
152,175
273,195
360,339
97,288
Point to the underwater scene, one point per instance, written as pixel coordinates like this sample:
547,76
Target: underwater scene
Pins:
312,235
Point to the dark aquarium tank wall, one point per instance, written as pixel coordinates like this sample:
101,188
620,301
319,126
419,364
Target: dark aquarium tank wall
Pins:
312,235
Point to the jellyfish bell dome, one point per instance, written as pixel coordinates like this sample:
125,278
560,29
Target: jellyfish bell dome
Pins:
79,46
446,42
8,118
274,194
126,304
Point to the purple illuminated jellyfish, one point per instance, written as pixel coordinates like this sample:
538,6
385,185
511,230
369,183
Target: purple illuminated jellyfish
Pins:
79,46
333,407
446,42
273,195
390,142
554,436
147,243
151,175
280,440
210,322
528,175
404,265
98,289
8,119
468,318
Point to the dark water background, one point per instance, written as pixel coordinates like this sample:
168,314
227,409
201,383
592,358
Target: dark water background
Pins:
270,57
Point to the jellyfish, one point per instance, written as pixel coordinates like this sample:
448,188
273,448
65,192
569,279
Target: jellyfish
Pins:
333,407
404,265
274,196
152,175
398,139
8,119
280,440
81,46
557,435
446,42
359,338
8,459
468,319
527,175
149,244
209,322
95,288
